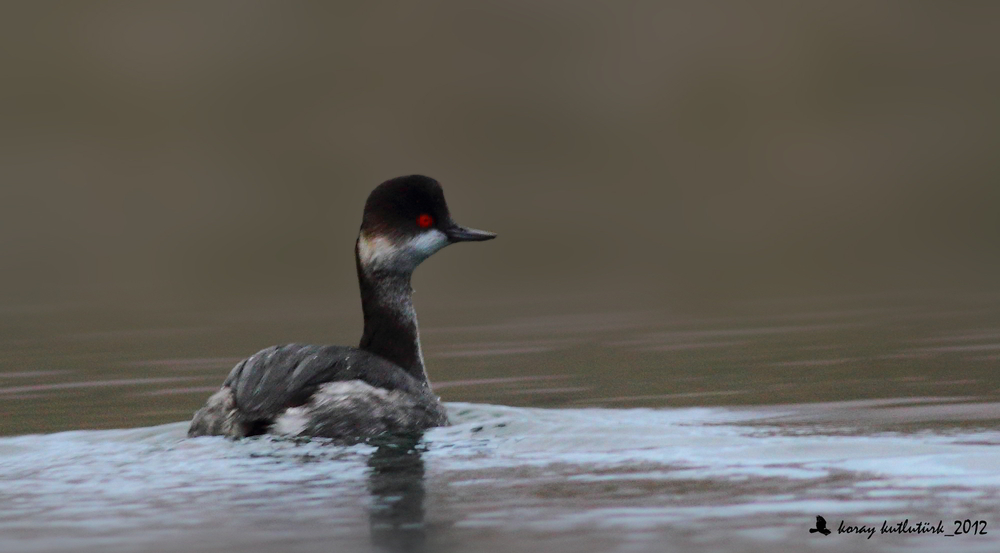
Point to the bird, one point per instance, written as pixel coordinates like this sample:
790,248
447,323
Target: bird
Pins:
353,394
820,527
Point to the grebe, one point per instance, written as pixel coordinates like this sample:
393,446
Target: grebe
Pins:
353,394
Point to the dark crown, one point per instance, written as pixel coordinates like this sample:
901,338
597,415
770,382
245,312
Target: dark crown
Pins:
395,206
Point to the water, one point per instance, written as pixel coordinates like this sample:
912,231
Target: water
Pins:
620,431
503,478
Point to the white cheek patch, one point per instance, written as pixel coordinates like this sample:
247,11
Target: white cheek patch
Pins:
376,250
381,251
427,243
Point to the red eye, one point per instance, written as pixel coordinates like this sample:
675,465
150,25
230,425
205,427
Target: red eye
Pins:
425,221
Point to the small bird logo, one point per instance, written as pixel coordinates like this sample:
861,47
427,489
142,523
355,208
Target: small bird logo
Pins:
820,527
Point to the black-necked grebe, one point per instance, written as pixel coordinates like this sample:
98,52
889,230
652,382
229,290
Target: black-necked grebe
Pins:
353,394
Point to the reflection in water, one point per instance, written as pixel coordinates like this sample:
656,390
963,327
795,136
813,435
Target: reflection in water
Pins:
515,479
864,421
396,483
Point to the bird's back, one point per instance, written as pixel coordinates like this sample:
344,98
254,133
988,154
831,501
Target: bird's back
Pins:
331,391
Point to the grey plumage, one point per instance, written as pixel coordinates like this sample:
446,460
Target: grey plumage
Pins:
381,397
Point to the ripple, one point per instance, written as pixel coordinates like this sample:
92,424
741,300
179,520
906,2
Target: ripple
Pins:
501,474
94,384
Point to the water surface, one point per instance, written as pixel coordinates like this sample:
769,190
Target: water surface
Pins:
584,431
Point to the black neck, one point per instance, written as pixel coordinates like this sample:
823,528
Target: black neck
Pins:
390,321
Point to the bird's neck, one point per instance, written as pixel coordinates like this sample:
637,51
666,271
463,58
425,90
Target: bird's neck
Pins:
390,321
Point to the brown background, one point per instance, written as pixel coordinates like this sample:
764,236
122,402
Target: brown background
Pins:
220,152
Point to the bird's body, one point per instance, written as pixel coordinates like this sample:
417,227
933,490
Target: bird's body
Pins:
330,391
352,394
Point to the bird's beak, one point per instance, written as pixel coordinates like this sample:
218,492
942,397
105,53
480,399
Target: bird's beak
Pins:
464,234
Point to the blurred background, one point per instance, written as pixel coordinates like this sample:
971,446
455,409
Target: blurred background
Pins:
167,157
225,149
